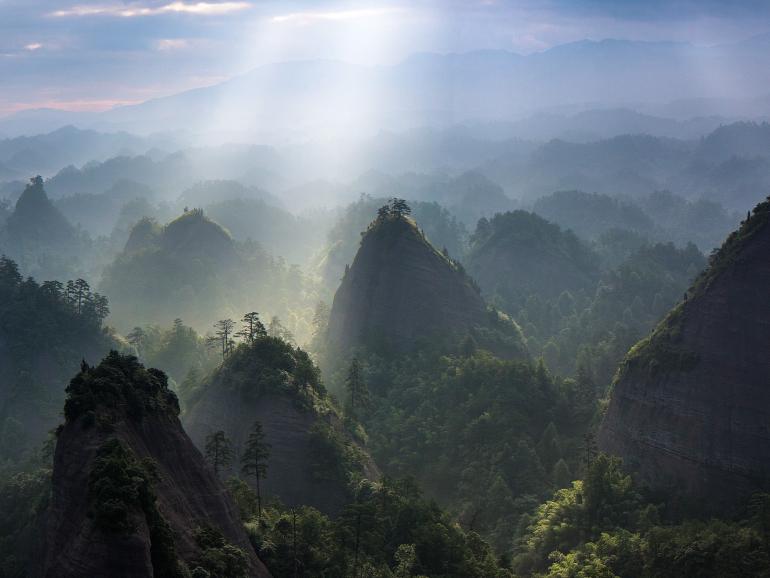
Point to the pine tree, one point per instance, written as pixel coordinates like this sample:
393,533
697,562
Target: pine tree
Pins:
222,337
399,207
253,328
219,451
254,460
356,386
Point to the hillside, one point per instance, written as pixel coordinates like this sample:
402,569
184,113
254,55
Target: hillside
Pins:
400,289
689,404
39,237
45,331
313,460
191,268
516,254
131,496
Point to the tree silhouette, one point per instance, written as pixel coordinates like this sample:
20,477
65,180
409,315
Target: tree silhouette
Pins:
399,208
254,460
76,293
356,386
253,328
222,337
219,450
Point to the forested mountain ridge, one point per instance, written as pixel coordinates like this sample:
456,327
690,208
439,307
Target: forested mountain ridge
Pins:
688,408
131,496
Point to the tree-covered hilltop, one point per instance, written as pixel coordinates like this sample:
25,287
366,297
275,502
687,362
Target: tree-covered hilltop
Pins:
45,331
514,255
264,379
344,237
192,269
40,239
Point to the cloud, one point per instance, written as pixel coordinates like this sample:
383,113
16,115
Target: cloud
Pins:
33,46
307,17
135,9
172,44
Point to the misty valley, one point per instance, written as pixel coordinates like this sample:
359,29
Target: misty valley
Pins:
469,313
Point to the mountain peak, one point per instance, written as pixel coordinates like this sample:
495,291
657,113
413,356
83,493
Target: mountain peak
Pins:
400,289
36,220
130,493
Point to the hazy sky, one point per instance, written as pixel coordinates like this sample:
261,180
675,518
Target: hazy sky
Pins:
83,55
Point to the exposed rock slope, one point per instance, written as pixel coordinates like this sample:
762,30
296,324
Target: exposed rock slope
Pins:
690,407
131,493
400,289
312,459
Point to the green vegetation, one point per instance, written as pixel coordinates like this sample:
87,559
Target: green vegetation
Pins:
756,221
254,460
660,352
23,502
218,451
120,490
178,350
118,383
595,330
218,558
514,255
389,531
193,269
605,526
467,420
268,365
45,331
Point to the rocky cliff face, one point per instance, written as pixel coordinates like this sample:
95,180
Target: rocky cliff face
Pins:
312,458
690,408
132,496
400,289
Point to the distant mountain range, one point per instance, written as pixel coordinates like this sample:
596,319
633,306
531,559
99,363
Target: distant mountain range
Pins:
288,100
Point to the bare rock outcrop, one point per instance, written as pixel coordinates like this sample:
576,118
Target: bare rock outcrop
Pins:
132,496
400,290
690,408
